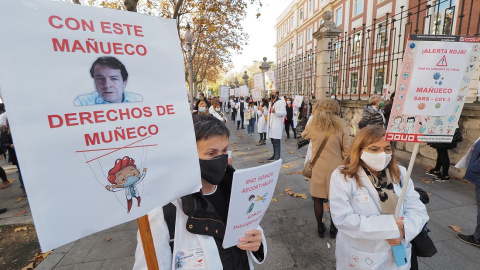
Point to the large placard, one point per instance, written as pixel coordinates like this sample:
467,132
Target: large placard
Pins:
244,91
270,80
223,93
433,86
90,123
258,81
252,192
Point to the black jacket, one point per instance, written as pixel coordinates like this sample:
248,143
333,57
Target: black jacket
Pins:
371,116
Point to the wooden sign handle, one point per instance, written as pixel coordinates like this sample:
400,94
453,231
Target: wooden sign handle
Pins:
147,242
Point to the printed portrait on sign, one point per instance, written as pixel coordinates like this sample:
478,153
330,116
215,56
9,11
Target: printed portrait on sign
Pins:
110,79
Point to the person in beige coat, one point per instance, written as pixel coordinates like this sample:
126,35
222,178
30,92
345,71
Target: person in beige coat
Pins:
325,120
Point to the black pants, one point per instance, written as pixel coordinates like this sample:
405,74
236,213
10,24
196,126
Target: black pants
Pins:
241,117
263,136
276,148
443,161
289,123
234,114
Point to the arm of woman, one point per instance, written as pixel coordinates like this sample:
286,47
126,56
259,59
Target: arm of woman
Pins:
352,224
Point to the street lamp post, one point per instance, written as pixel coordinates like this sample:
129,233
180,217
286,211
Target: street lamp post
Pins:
264,67
189,39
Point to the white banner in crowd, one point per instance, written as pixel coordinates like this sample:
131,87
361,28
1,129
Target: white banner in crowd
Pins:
270,80
244,90
237,92
297,102
252,192
223,93
258,81
232,92
256,95
436,74
89,164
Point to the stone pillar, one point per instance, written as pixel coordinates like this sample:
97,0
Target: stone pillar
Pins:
325,33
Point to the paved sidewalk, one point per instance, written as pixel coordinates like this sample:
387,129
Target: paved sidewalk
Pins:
289,224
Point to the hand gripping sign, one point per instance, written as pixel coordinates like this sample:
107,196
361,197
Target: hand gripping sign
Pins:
93,127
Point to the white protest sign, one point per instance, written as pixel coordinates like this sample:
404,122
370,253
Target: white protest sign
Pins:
232,92
436,73
256,95
258,81
297,102
237,92
385,91
252,191
244,90
109,158
270,80
223,93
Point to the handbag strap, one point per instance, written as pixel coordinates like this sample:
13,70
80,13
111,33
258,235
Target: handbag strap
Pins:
320,149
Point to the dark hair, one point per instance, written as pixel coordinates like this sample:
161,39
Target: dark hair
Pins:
111,62
264,102
207,126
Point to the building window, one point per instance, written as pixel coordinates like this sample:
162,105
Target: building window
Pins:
308,87
285,49
301,14
353,82
279,52
358,7
300,40
442,18
291,23
310,33
289,88
309,60
356,44
338,16
310,6
334,84
336,48
382,37
285,29
299,87
279,33
379,80
291,45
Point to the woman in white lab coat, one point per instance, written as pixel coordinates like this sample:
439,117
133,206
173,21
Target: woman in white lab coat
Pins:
363,196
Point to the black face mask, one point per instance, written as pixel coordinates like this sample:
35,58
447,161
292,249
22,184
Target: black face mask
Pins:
273,97
212,170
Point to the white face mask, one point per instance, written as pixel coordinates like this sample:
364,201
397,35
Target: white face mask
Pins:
332,97
377,162
289,102
217,109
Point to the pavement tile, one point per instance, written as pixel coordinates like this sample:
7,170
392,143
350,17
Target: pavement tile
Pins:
125,263
81,266
120,245
449,258
278,256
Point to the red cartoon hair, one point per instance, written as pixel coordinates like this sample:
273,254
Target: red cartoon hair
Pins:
120,164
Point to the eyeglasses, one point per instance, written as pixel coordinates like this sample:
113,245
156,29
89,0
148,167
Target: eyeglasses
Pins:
378,150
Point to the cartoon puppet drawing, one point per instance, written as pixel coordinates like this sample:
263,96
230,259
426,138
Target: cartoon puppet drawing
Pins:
125,175
410,126
397,124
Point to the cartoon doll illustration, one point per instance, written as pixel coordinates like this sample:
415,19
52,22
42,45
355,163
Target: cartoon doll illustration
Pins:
125,174
410,125
397,122
250,199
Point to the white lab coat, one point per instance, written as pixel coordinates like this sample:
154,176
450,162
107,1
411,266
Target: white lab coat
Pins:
362,231
308,156
261,120
184,241
295,116
218,116
275,120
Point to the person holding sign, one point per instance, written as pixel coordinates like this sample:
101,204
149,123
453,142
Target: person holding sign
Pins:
201,217
276,112
326,125
364,193
110,77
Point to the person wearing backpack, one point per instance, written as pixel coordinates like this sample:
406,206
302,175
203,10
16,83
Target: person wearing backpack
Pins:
200,218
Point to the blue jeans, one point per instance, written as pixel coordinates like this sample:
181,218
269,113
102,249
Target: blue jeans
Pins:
477,230
276,148
251,126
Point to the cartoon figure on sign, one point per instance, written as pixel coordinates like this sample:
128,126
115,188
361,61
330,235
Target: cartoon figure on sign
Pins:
397,122
250,199
125,175
410,126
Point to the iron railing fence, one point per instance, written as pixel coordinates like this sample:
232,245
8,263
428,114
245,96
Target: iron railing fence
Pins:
297,75
368,58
